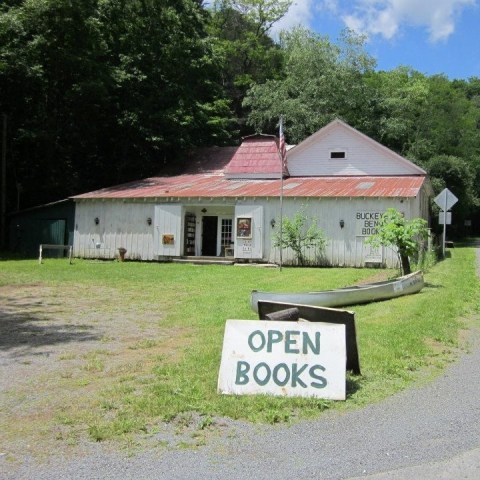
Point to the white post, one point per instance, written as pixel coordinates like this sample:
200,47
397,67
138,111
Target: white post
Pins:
444,225
281,220
283,147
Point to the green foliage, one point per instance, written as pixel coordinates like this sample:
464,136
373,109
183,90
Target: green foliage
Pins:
246,54
112,87
425,260
401,95
456,174
395,230
124,88
263,13
450,120
321,81
300,234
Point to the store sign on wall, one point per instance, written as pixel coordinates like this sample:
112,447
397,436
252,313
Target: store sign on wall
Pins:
283,358
366,223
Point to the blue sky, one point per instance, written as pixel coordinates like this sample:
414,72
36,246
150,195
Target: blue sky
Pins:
431,36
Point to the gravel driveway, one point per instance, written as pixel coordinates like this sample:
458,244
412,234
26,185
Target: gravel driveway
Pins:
430,431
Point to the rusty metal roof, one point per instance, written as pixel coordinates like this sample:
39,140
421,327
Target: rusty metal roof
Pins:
256,155
215,185
207,160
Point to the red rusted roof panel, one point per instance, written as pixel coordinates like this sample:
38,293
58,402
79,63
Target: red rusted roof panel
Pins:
256,155
216,185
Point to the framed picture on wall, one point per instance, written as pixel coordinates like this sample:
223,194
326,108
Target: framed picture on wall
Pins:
168,239
244,227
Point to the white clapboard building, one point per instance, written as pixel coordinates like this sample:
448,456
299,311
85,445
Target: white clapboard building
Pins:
228,202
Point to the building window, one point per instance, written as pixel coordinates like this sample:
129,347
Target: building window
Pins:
338,154
226,232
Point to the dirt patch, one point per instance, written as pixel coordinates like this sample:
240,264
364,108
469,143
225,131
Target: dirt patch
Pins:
60,348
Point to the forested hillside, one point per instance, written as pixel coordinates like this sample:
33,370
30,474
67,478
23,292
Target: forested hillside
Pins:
97,92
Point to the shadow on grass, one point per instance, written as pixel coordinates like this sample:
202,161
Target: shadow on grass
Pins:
27,325
353,385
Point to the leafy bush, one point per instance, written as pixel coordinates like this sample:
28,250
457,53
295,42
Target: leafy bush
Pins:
395,230
300,234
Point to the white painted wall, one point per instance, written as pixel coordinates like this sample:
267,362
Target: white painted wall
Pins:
120,225
168,222
363,156
124,224
345,246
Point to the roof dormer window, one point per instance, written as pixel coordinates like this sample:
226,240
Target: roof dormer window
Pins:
335,154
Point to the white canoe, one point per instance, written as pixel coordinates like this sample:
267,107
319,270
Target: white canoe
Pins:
341,297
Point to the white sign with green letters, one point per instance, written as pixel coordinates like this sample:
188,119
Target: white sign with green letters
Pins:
283,358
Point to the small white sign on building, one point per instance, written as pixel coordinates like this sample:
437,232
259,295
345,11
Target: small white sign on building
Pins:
283,358
372,254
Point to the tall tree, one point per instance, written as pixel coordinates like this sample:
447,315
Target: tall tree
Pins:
450,119
239,30
103,91
458,176
263,13
321,81
53,84
166,81
400,98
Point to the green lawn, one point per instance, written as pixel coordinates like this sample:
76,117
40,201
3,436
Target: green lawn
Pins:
400,340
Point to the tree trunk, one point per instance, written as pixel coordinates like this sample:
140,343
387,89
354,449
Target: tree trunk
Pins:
405,264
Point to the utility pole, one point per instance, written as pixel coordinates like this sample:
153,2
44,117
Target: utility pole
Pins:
3,199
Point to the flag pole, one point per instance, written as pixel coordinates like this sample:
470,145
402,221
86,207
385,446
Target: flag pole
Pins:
282,152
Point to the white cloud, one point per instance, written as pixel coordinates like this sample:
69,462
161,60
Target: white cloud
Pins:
328,5
380,17
301,12
386,17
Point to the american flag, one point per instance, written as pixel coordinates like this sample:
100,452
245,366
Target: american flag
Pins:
282,146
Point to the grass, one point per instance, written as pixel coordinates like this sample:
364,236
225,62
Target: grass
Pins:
166,368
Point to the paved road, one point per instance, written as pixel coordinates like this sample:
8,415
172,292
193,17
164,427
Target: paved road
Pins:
428,432
463,465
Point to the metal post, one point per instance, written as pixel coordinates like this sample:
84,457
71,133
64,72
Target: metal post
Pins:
444,225
281,217
282,162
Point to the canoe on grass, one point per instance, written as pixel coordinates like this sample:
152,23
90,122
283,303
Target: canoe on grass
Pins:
340,297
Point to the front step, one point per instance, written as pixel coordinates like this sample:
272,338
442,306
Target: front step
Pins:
205,260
